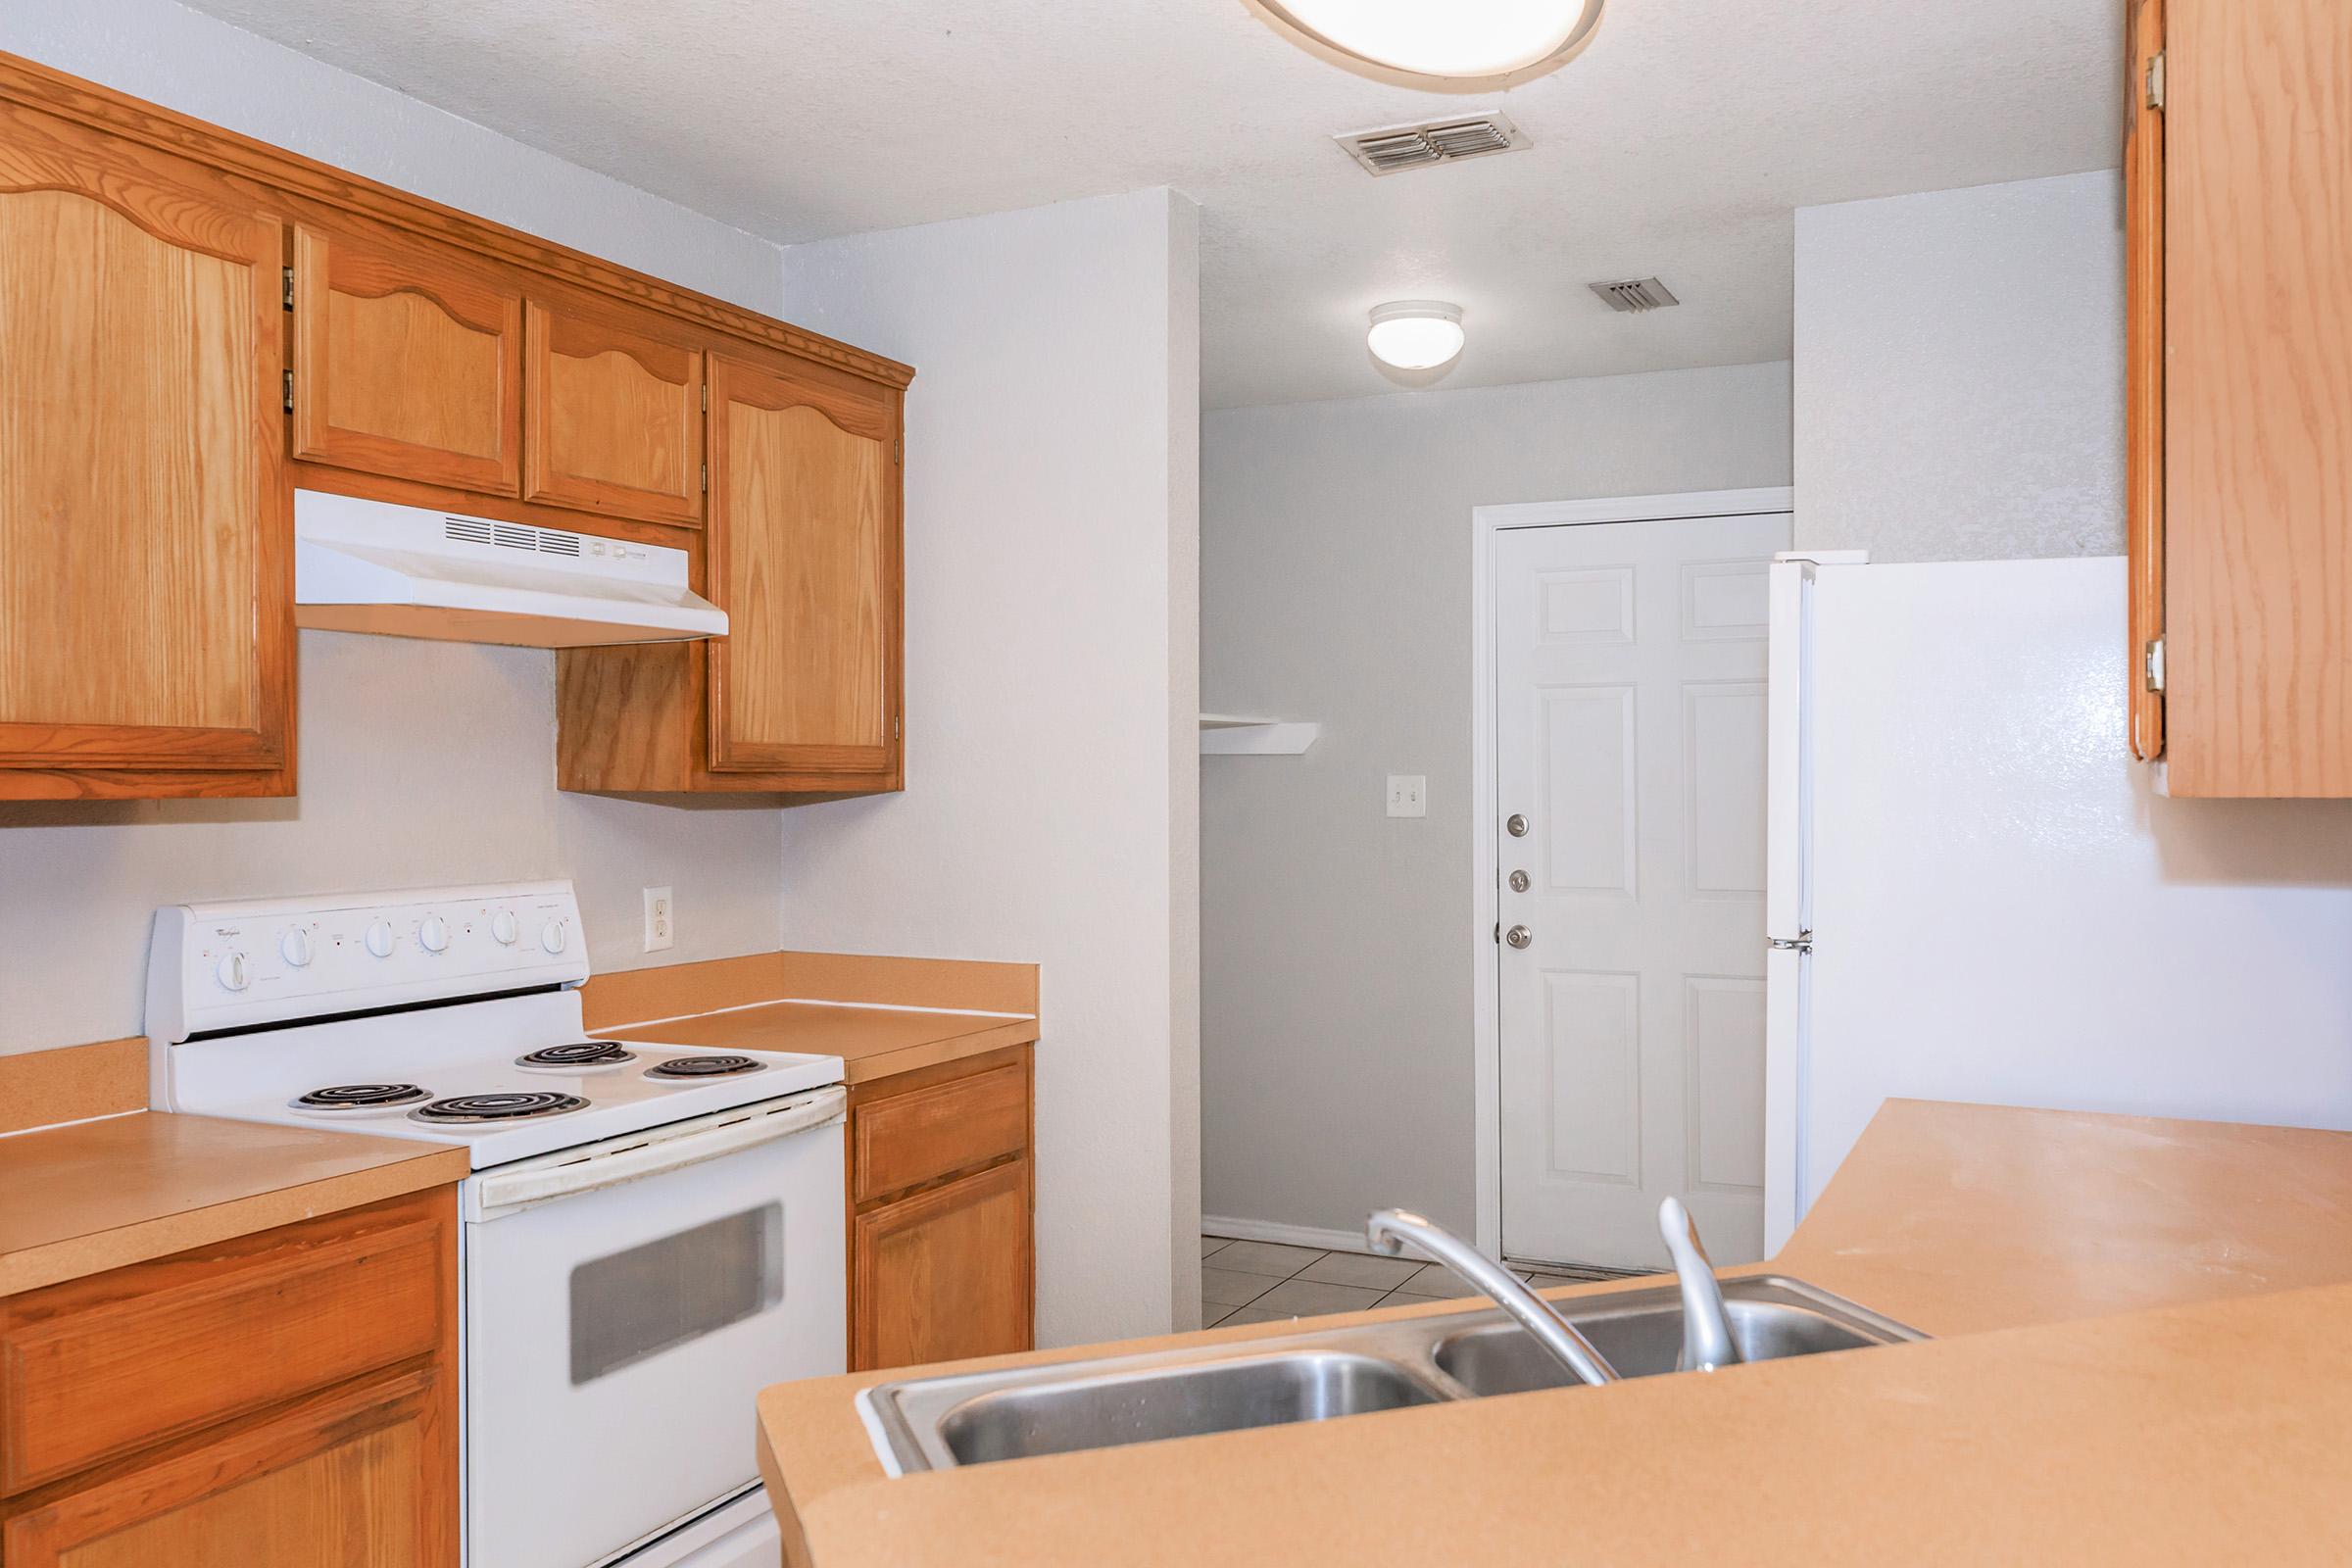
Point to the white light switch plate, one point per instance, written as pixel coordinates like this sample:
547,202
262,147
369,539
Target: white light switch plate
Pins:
1408,795
660,920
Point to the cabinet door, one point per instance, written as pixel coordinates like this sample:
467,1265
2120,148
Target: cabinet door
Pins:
2257,490
945,1274
613,416
804,557
146,619
365,1478
407,363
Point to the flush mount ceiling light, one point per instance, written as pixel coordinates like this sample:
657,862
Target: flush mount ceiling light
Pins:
1415,334
1460,45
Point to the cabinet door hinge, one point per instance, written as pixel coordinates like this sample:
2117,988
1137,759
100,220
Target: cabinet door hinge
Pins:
705,391
289,391
2154,81
705,478
289,293
897,729
898,450
2151,664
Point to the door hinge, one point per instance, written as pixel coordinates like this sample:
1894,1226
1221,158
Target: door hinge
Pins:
289,391
2154,81
705,390
1802,942
898,450
705,478
2151,664
897,727
289,294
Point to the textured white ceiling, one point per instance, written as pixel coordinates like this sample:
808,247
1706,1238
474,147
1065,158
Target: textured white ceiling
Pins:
1678,143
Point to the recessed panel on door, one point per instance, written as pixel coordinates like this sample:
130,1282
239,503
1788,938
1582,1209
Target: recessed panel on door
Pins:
1723,1033
1595,1025
1589,799
1724,729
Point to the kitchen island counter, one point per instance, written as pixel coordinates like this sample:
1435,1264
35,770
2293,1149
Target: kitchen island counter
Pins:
2141,1357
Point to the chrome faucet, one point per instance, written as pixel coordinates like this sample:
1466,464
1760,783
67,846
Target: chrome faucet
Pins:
1707,1341
1391,1228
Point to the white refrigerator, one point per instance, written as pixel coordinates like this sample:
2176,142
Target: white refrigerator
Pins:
1974,894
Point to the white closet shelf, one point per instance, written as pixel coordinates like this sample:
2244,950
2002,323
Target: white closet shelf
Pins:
1239,735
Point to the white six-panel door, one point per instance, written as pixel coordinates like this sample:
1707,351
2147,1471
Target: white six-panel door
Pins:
1630,740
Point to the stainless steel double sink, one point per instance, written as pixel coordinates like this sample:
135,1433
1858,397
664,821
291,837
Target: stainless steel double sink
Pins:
1319,1374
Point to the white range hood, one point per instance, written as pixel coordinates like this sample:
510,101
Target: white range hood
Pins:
406,571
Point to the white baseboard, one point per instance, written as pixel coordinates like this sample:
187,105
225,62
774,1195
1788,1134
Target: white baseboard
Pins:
1266,1230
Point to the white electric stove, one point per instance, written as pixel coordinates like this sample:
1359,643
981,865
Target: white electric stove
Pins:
652,1234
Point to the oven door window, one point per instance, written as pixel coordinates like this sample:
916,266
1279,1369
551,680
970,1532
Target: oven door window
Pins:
663,1292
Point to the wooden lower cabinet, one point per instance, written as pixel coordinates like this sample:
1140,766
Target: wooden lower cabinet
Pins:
281,1400
944,1266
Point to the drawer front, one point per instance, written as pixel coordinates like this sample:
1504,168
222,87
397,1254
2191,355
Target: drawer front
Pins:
105,1366
910,1139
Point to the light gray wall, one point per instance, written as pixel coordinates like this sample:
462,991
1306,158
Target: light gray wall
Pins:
1336,973
1960,373
419,762
1051,694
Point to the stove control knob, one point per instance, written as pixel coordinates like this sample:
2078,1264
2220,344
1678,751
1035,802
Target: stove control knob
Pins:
504,927
434,934
379,938
295,947
555,936
233,971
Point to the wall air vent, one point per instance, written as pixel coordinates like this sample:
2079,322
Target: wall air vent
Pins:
1636,294
1391,148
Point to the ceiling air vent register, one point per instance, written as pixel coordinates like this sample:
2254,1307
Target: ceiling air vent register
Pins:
1635,294
1392,148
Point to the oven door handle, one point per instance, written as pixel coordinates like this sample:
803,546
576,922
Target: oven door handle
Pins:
530,1183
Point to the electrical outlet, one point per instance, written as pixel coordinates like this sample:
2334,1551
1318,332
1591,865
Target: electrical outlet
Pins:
660,920
1408,795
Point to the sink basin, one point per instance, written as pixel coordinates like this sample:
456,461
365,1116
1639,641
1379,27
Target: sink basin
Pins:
1318,1374
1641,1333
1105,1409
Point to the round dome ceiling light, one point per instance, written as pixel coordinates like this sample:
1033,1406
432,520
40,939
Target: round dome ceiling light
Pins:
1460,44
1415,334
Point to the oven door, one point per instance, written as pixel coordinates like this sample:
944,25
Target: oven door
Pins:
624,1305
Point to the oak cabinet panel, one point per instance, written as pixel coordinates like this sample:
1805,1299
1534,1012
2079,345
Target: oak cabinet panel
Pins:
407,362
804,559
945,1274
285,1400
943,1252
364,1479
614,413
145,583
2240,393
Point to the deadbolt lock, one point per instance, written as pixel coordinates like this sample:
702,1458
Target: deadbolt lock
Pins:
1519,882
1516,826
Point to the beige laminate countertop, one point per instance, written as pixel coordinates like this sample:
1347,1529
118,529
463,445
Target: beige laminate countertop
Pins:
873,1041
92,1195
2144,1360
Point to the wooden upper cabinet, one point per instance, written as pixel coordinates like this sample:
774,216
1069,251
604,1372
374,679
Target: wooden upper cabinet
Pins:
804,555
146,621
614,413
2240,391
407,362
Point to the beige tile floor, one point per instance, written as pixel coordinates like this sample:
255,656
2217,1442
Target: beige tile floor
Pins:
1264,1281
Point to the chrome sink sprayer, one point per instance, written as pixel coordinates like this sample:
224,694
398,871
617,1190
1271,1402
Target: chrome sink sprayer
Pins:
1391,1228
1707,1341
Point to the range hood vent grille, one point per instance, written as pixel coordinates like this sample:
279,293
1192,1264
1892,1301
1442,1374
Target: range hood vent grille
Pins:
1636,294
510,535
1392,148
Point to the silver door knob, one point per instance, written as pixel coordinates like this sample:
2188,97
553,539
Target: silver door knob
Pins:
1518,936
1519,882
1516,826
